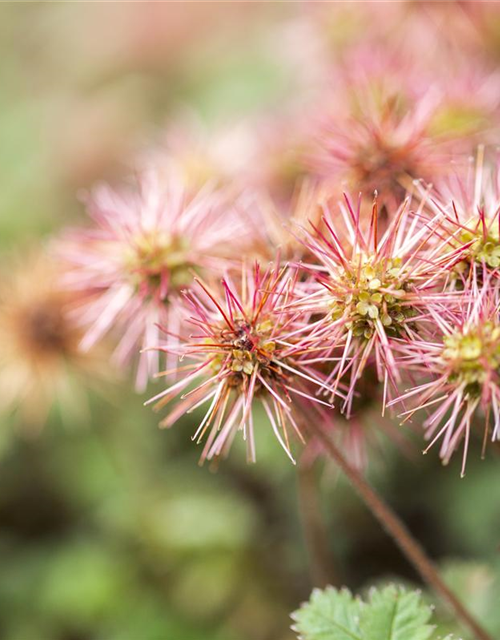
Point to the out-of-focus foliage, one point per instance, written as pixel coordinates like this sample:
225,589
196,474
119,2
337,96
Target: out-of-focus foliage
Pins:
479,586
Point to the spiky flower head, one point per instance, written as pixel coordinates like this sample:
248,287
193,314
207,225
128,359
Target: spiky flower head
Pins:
246,348
40,363
372,295
464,366
470,201
140,252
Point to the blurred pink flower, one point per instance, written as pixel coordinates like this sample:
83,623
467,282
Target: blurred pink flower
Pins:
388,121
131,265
41,366
199,154
263,153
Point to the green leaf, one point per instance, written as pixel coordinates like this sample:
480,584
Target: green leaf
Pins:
392,613
395,614
329,615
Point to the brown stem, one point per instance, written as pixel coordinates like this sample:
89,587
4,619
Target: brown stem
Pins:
394,526
315,533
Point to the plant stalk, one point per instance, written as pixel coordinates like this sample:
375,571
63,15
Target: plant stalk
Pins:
395,527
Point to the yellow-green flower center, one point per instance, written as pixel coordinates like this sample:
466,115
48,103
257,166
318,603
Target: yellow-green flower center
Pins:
485,248
375,291
153,255
472,356
247,348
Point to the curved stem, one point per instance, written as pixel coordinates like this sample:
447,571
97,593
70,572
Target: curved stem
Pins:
395,527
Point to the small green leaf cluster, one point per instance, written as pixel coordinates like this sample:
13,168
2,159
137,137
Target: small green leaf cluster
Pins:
391,613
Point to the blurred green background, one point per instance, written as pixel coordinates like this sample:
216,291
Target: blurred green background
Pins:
109,529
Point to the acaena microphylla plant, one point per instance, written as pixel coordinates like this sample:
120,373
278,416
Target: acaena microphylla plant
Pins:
246,347
371,296
141,250
371,299
463,363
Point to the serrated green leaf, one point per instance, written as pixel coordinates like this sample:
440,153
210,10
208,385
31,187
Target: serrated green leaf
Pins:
329,615
395,614
392,613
